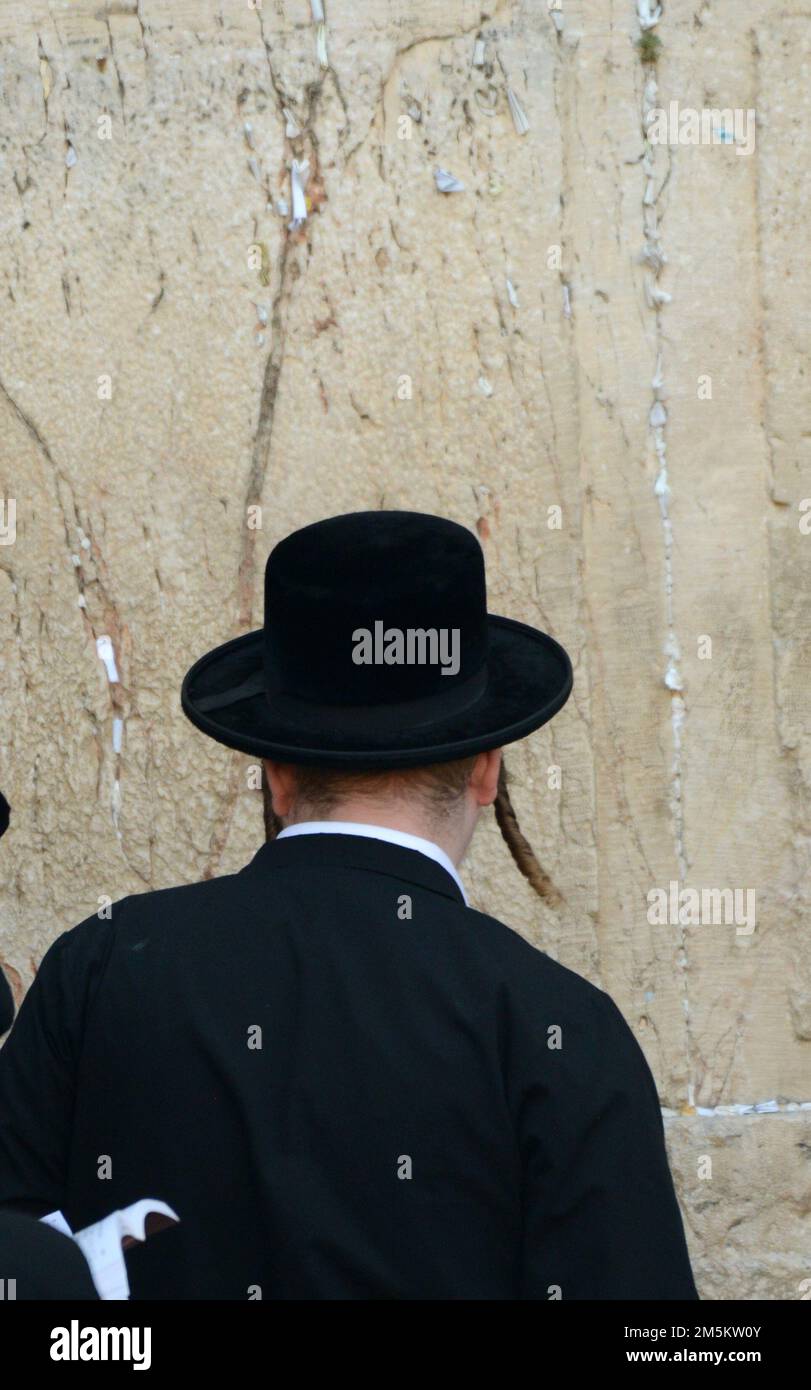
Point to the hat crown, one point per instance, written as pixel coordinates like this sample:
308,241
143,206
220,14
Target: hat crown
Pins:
374,608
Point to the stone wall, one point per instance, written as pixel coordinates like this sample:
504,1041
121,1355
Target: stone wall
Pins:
594,353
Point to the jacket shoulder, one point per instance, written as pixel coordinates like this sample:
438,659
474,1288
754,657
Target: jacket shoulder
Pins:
157,908
528,964
600,1042
539,986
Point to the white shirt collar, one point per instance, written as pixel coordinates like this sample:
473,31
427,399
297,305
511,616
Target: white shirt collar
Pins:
379,832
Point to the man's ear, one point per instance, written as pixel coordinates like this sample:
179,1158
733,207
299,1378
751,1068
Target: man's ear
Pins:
484,777
281,779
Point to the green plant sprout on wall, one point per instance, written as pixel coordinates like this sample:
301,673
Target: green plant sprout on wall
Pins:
649,47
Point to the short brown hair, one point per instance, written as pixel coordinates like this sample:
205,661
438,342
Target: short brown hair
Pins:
437,786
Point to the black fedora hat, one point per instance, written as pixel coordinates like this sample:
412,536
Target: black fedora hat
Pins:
377,652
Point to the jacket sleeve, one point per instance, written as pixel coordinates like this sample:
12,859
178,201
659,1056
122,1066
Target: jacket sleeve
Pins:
600,1215
38,1065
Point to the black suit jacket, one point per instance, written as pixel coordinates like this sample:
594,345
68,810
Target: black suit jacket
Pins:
348,1085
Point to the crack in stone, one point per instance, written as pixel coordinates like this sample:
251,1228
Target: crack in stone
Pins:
263,436
110,622
119,79
655,258
263,439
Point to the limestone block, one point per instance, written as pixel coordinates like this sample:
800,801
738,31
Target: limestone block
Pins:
746,1200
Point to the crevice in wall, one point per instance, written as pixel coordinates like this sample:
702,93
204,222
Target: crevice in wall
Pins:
758,1107
300,142
105,626
657,298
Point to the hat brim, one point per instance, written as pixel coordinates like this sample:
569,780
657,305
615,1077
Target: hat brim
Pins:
529,680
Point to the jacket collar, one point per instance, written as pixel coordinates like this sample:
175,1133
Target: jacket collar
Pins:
356,852
378,832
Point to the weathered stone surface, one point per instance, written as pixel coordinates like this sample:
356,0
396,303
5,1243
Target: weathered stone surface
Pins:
746,1198
492,355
